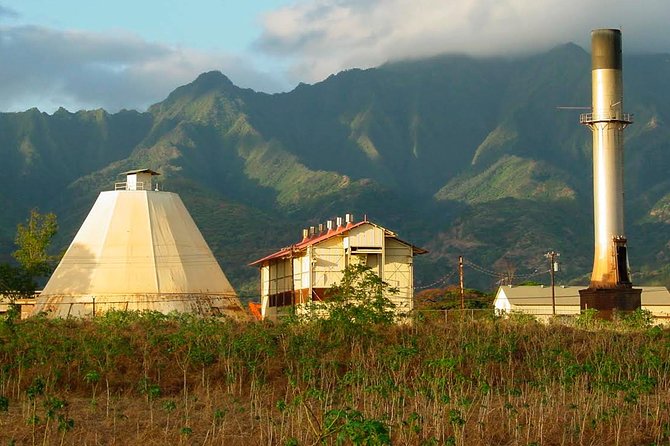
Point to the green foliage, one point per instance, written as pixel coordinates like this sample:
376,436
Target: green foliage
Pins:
65,423
148,388
348,425
33,239
359,300
92,377
16,281
449,298
510,176
186,431
636,320
169,406
589,319
521,317
36,388
456,418
52,407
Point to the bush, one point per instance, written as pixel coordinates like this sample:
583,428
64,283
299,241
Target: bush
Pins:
588,319
359,299
635,320
350,425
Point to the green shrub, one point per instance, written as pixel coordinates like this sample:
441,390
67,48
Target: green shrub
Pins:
359,300
348,425
635,320
588,319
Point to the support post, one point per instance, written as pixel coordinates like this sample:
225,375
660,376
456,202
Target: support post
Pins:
461,282
553,267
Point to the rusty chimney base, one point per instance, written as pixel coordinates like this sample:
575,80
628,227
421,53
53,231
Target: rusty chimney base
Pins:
608,300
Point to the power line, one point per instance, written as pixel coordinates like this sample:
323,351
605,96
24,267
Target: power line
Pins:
483,270
437,282
535,272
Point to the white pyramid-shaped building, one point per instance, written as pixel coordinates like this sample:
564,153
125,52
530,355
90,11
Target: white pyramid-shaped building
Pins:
138,249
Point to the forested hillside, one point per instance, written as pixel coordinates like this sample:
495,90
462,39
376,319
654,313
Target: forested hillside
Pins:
461,156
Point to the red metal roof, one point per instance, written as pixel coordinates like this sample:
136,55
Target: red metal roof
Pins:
304,243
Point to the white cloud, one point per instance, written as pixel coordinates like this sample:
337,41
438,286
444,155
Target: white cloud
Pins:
311,39
48,68
321,37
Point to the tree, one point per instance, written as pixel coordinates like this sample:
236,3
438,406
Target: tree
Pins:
33,239
359,299
15,282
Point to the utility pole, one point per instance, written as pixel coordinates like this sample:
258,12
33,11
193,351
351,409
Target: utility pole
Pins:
553,267
460,281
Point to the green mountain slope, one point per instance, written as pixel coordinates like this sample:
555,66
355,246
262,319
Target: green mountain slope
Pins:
466,156
510,176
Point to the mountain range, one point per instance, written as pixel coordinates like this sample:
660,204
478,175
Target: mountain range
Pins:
483,158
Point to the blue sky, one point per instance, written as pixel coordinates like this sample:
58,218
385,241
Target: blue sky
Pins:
130,54
206,24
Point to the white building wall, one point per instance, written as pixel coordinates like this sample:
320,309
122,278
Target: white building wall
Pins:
139,181
654,299
328,263
397,273
305,269
265,291
366,236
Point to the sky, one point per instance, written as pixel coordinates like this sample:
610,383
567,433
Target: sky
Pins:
130,54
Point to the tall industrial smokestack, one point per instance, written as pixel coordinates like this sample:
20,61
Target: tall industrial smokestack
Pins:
611,287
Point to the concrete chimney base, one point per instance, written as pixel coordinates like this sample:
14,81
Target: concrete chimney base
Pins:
607,300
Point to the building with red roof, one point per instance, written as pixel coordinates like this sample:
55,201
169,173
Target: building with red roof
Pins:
303,272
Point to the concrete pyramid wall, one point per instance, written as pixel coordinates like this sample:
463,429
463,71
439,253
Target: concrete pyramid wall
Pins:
138,250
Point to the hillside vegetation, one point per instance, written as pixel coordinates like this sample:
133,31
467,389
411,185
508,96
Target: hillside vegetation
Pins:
131,378
458,155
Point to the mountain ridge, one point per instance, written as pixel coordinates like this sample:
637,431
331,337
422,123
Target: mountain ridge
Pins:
465,156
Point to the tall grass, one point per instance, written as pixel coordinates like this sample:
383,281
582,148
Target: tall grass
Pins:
127,378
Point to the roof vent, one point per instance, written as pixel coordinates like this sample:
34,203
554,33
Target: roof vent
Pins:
312,231
339,222
349,219
329,225
305,234
320,228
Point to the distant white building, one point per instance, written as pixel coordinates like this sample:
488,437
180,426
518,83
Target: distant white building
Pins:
138,249
536,301
303,272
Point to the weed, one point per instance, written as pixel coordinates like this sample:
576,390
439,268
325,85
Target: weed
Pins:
350,425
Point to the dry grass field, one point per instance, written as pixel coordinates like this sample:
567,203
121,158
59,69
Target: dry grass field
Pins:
127,378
